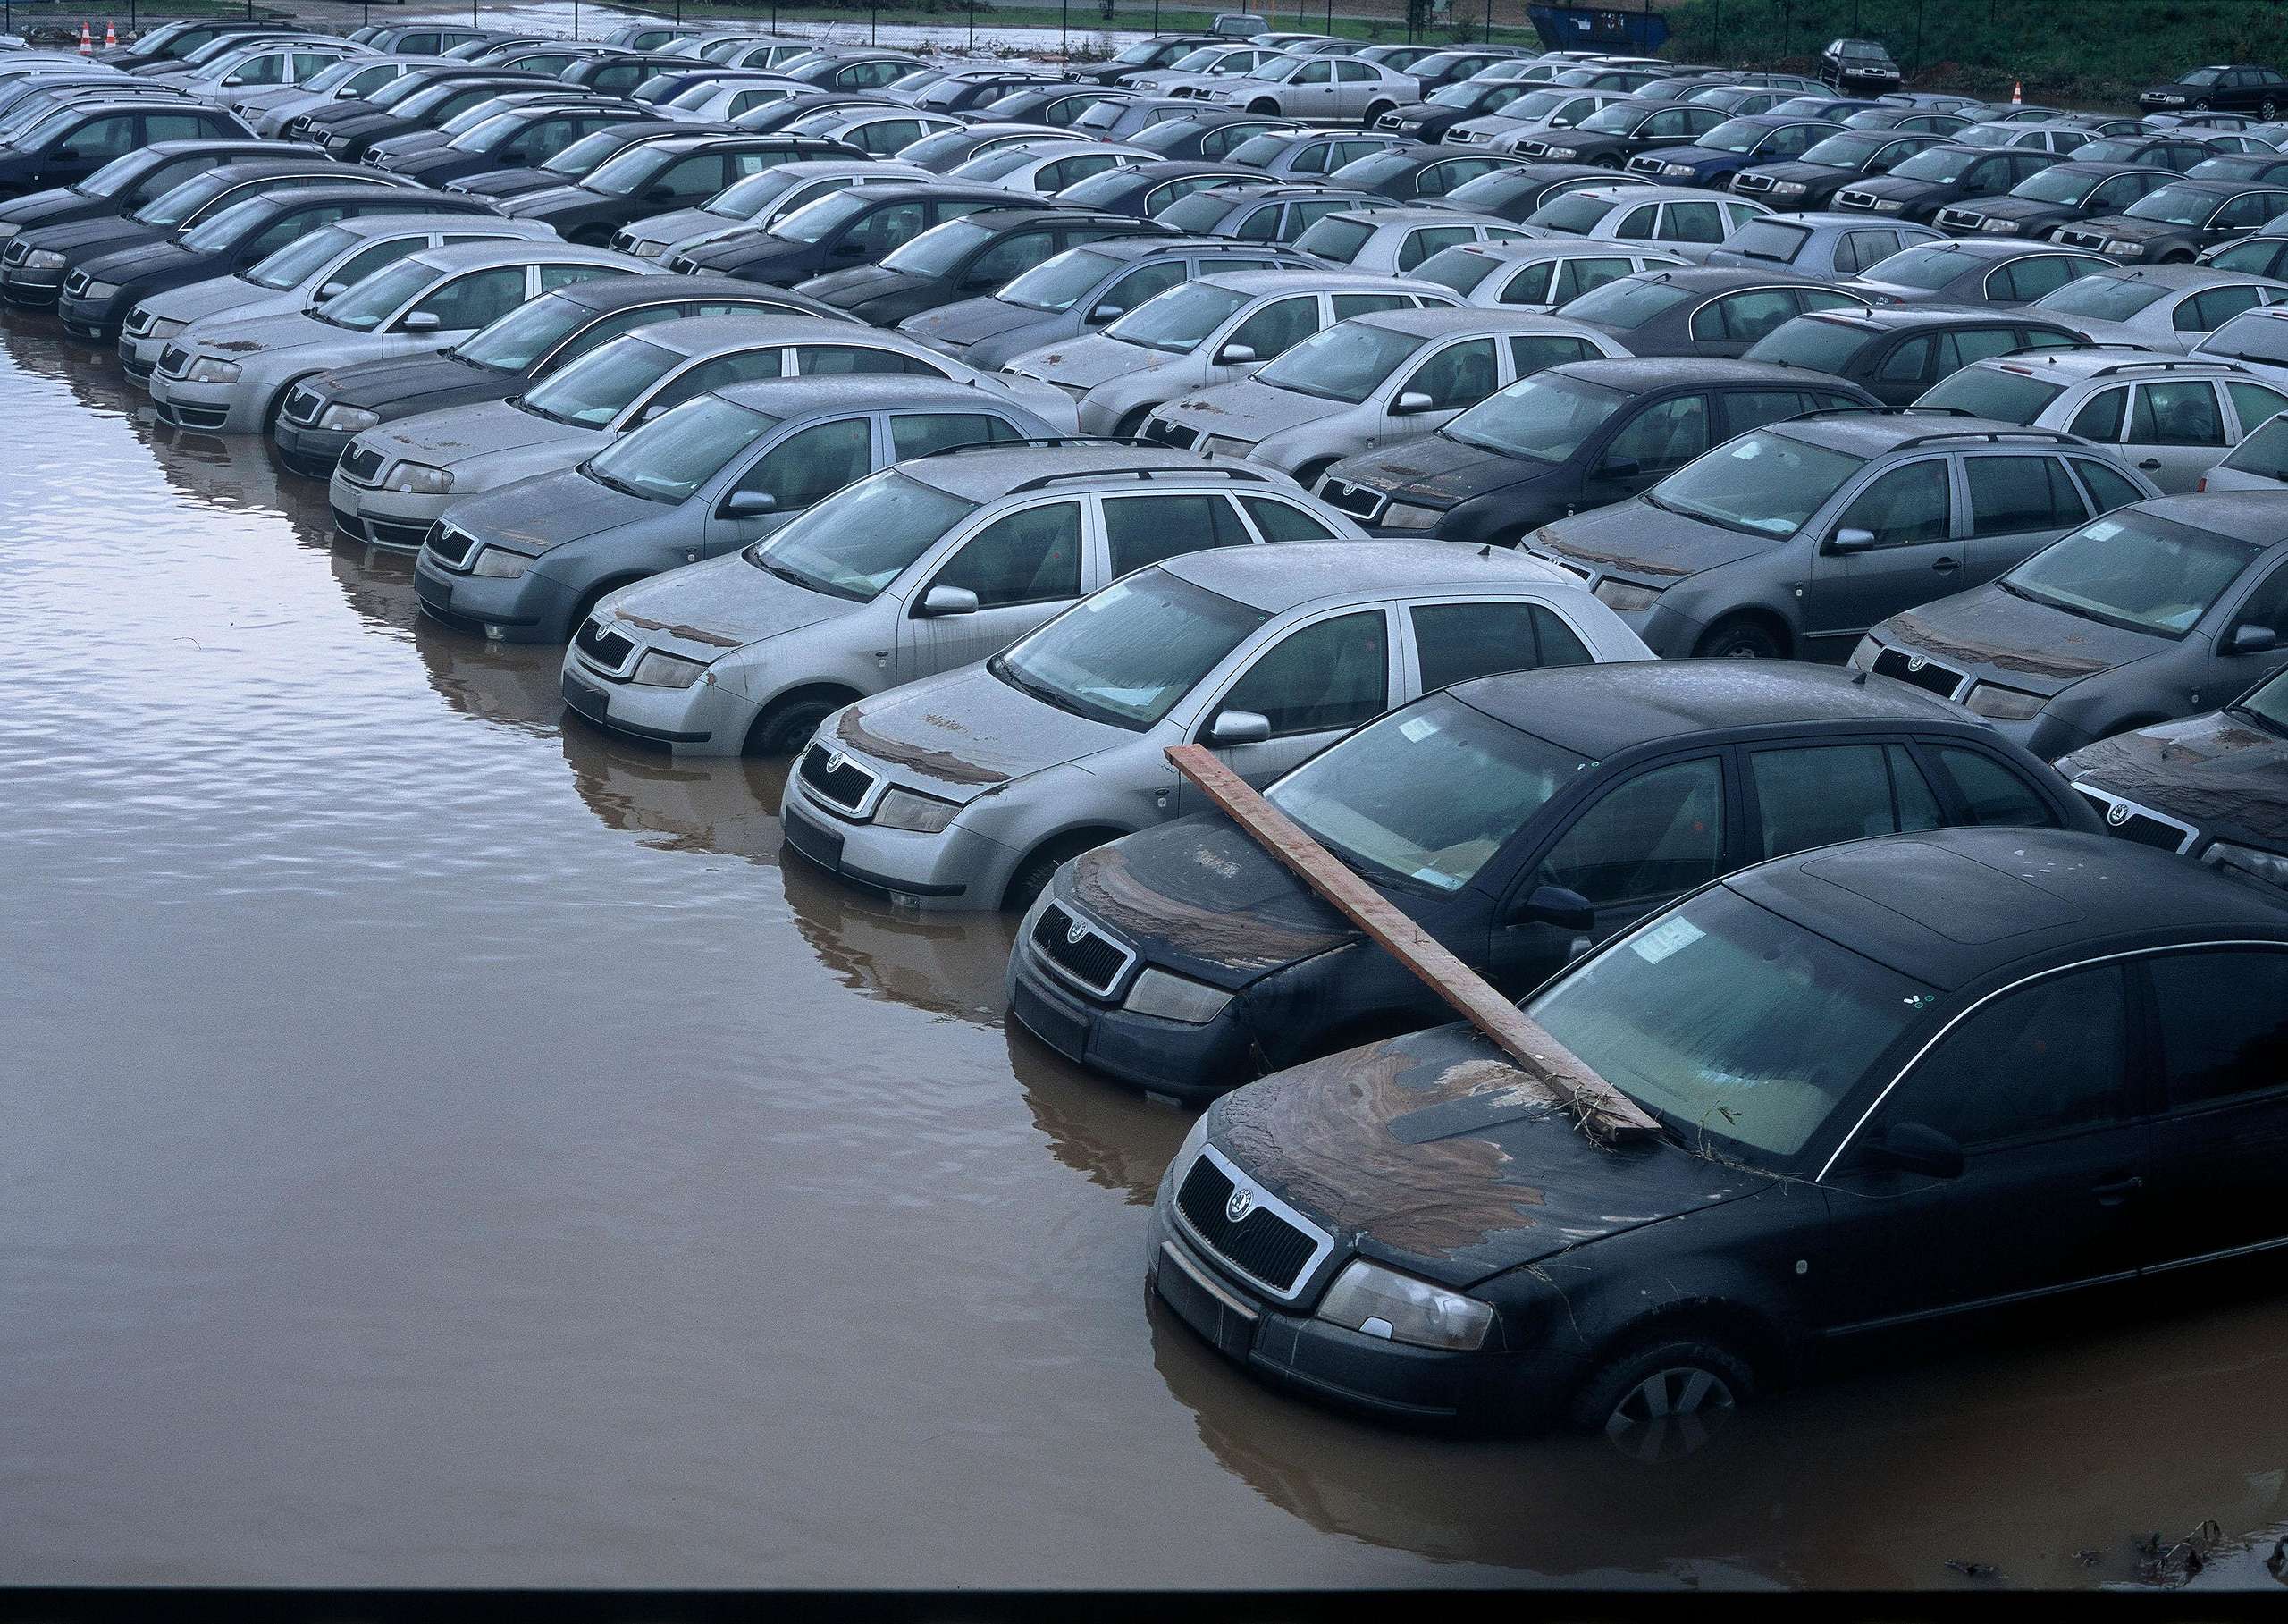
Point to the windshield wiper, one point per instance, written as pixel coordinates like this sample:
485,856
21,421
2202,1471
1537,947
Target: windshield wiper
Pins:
610,483
2265,723
999,666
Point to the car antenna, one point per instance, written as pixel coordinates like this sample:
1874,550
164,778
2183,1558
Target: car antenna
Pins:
1858,679
1486,552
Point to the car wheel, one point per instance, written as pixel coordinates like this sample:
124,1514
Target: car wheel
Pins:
1265,107
1033,874
2266,110
787,726
1132,427
594,236
1374,113
1740,637
1309,473
1664,1399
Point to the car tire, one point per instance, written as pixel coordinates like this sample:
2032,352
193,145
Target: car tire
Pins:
1374,113
1132,427
1663,1398
1739,637
1606,163
2267,110
1034,873
787,726
1265,107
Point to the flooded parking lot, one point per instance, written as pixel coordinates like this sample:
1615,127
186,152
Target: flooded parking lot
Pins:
445,1146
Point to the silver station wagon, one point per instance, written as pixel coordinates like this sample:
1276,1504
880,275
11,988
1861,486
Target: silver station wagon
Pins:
1217,329
933,564
967,790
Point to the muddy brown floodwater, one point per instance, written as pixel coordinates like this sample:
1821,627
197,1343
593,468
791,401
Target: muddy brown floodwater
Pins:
443,1146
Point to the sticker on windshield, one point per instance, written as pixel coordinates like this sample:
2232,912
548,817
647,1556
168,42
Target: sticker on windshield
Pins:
1749,451
1663,940
2104,530
1416,728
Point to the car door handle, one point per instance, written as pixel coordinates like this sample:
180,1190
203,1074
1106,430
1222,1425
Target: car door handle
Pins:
2150,463
2118,1191
1943,565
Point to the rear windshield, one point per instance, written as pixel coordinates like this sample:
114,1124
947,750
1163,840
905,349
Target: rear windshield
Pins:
1336,238
2248,337
1808,340
2109,299
1572,213
2005,394
1770,240
1458,268
2265,452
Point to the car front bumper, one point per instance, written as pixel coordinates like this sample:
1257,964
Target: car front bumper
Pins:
310,452
95,320
33,289
957,868
397,520
209,409
529,608
1191,1063
705,719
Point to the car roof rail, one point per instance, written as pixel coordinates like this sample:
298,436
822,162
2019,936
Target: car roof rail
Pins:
1226,470
1037,443
2157,364
2043,436
1882,411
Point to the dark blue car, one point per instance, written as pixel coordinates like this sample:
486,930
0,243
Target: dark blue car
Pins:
1733,145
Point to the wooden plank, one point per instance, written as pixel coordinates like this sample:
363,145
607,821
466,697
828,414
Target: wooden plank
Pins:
1602,1109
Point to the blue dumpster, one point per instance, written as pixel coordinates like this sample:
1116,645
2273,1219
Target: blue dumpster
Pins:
1598,28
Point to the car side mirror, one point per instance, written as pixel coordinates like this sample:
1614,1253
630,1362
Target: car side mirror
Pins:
1411,401
1851,541
661,194
1558,905
1623,467
64,154
332,288
2252,640
940,602
1235,355
1915,1147
1104,313
850,250
748,504
1238,727
420,321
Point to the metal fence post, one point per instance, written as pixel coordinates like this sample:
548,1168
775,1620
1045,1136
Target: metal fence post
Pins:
1064,31
874,22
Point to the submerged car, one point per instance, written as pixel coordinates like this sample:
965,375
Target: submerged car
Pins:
970,788
2156,610
1507,817
1893,1083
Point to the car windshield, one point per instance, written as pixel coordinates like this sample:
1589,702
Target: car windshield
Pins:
992,166
1168,135
1536,105
591,391
482,136
326,79
2201,76
1058,284
1738,1029
2250,336
177,203
621,176
2134,570
1545,418
1144,51
1336,240
1927,265
1576,214
1370,798
1259,150
1620,119
1373,170
938,250
2007,394
859,540
1178,321
371,302
817,221
2057,184
1197,60
1734,135
1347,362
673,455
1625,304
2175,206
1280,72
1763,483
301,258
521,337
1105,186
2111,299
1847,151
1126,654
119,175
585,155
1458,268
1197,214
2263,453
1941,163
221,230
403,88
1810,341
1462,94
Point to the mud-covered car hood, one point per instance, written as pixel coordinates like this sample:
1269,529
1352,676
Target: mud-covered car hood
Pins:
1639,541
2006,207
1901,186
969,320
1990,632
1083,363
403,381
168,262
1200,897
1437,469
1437,1152
1249,410
967,732
2130,229
723,603
248,335
548,511
479,429
2226,777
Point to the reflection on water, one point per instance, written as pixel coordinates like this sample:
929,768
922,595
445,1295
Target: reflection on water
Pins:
452,1145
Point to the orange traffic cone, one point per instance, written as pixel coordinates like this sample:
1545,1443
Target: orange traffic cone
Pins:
2017,94
87,40
111,35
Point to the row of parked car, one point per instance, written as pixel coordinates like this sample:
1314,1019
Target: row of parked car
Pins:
1669,593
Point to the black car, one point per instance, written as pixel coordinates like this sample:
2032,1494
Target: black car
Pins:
1811,181
654,176
1464,61
37,260
1429,119
1419,171
1921,186
1913,120
861,70
967,257
1975,271
1208,132
1899,1083
1059,106
771,117
855,226
581,159
1859,67
1308,155
170,42
622,72
391,154
1702,310
2173,223
2061,195
519,138
1517,192
2174,152
1145,56
322,413
1539,806
1611,136
1251,213
1897,352
99,291
1737,144
75,139
971,88
2226,88
127,183
348,130
1144,189
1565,440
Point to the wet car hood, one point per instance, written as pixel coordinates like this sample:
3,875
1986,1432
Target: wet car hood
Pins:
409,378
1635,539
677,225
1811,174
1085,362
967,732
502,182
725,603
59,206
2224,775
2130,229
553,200
1899,186
1249,410
152,261
1990,632
746,250
1200,897
478,429
966,322
105,235
859,284
1437,1153
550,511
2007,207
430,160
1438,468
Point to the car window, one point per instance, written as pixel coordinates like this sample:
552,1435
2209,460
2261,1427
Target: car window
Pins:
2100,416
1659,833
2207,311
1455,641
553,277
1028,557
1821,795
1142,283
105,138
1743,317
367,261
2108,488
841,361
1908,362
742,366
1639,222
1261,226
1420,245
2254,402
476,299
1574,277
1903,506
1667,435
1334,674
1459,376
2216,1047
1272,329
1695,223
1282,521
2048,1057
1992,794
2183,413
1529,353
1141,530
813,463
1347,305
919,434
1859,249
2011,495
1747,408
176,126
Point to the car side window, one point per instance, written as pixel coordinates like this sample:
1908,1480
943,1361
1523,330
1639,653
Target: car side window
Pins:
2255,403
2010,495
103,138
1142,283
919,434
1141,530
367,261
2215,1048
1459,376
553,277
1666,434
1697,222
1747,408
1029,557
1574,277
1654,836
1455,641
1824,794
1908,362
1993,795
842,360
2207,312
1957,350
1334,674
1743,317
742,366
474,300
1531,352
813,463
1530,284
1420,245
2183,413
2108,488
2044,1058
2247,209
1280,521
1906,506
1275,327
2100,416
1859,249
1638,223
1261,225
878,232
1347,305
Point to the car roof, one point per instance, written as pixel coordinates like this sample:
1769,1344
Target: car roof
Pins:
1877,433
1021,214
803,397
700,334
984,474
604,293
439,220
1625,193
1306,280
1639,374
1396,216
2186,276
1276,579
1984,248
1949,906
478,256
1516,249
2125,360
2245,516
1699,278
1436,321
1894,319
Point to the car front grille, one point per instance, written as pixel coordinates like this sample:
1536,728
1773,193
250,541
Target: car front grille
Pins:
174,360
361,464
1260,1244
1751,182
303,405
194,417
683,264
1092,960
1169,434
449,546
838,781
18,252
76,284
349,523
388,532
1848,198
609,649
2132,821
1360,501
1919,672
139,323
1646,165
2081,240
1961,219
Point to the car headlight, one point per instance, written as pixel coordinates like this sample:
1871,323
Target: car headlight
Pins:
501,564
655,670
1676,169
918,814
347,419
1405,515
1175,997
1863,657
1788,189
1627,594
207,369
2126,250
44,259
1889,206
420,478
1561,152
2268,866
2005,704
2006,227
110,290
1398,1307
162,328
